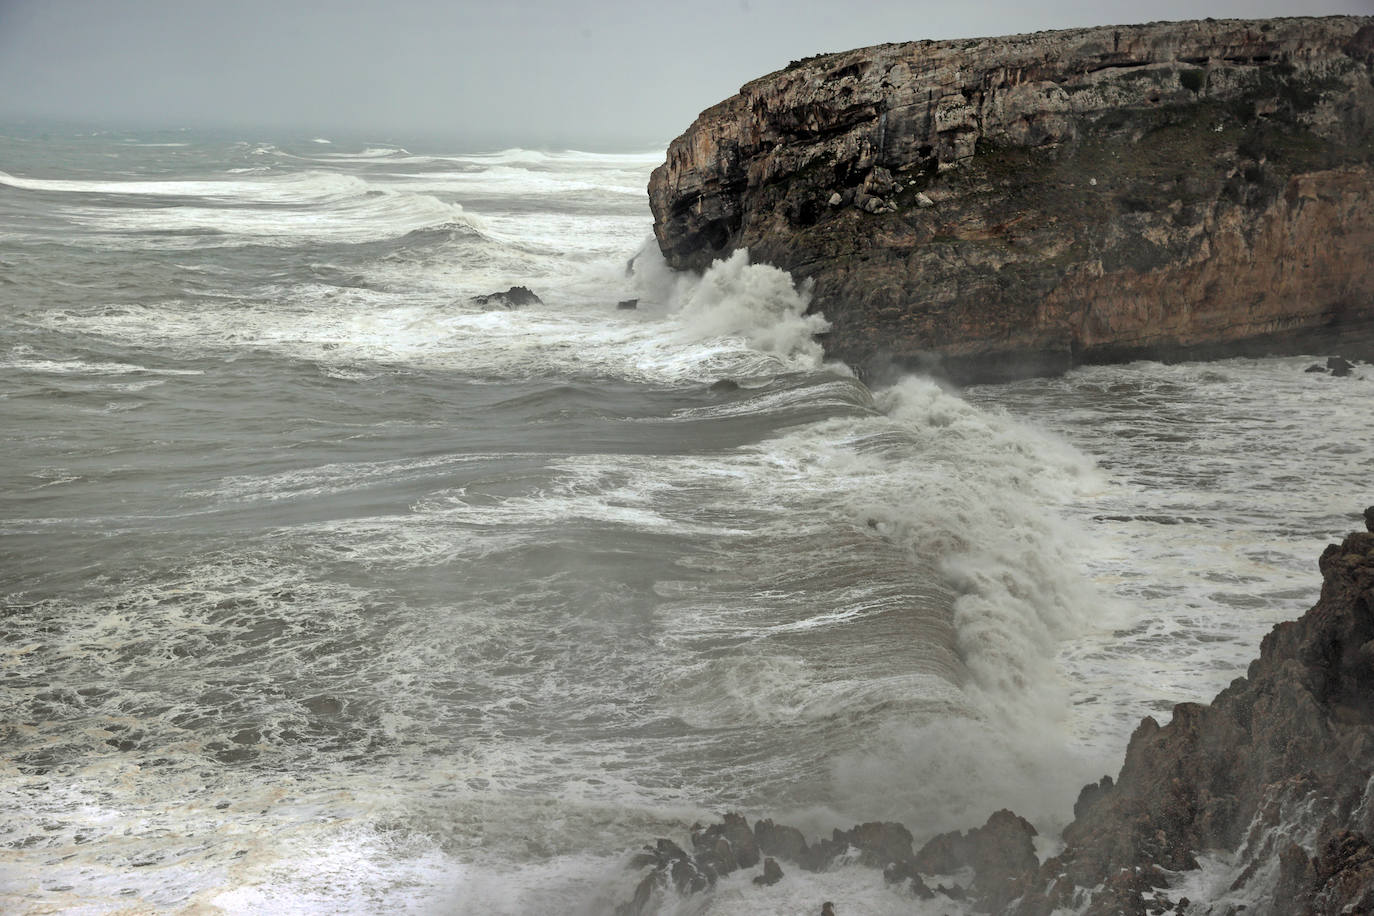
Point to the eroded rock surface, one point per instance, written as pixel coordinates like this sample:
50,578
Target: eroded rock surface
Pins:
1009,206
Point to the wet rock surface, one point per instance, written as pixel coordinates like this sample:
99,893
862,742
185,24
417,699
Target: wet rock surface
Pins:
1002,207
1276,776
512,298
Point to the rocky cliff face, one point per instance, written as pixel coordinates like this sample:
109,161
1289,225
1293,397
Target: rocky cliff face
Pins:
1008,206
1273,781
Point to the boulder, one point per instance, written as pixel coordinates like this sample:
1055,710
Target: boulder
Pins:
1001,854
512,298
780,840
772,873
879,843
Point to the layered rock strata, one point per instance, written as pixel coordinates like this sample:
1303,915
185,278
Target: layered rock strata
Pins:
1011,206
1273,782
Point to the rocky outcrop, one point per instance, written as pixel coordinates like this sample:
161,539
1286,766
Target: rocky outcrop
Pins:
1002,207
1274,780
512,298
1276,772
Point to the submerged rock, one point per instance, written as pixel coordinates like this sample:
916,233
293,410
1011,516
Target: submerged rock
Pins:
627,304
1029,203
1339,366
512,298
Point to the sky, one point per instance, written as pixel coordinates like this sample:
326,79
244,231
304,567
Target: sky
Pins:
607,75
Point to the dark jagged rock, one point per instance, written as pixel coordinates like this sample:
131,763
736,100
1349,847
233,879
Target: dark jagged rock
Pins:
728,845
512,298
905,873
879,844
670,866
772,873
1284,752
627,304
1001,853
1003,207
780,840
1090,795
1315,368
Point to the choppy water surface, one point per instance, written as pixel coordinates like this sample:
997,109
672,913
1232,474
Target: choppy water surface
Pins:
325,589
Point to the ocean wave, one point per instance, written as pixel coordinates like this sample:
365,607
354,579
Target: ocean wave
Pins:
369,154
302,187
320,206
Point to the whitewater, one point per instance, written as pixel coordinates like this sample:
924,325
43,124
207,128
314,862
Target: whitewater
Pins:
324,588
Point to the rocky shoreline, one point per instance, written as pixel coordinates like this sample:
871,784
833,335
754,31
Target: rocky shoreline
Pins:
996,208
1275,776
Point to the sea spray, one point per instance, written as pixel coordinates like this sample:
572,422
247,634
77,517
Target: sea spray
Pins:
756,302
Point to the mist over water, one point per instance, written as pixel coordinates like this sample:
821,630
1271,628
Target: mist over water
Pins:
326,589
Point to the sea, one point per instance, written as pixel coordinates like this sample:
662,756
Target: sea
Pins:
325,588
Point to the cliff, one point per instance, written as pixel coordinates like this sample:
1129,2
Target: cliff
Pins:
1011,206
1274,780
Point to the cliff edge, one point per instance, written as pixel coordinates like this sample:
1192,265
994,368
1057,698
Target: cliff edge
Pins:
1001,207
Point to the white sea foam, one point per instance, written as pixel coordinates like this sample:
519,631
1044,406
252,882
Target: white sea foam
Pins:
1206,535
307,186
968,495
523,183
757,303
85,367
740,320
853,888
314,205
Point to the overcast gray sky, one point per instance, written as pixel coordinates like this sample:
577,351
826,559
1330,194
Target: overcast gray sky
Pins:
539,73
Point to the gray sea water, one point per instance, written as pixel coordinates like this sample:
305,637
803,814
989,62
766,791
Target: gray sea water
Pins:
324,589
